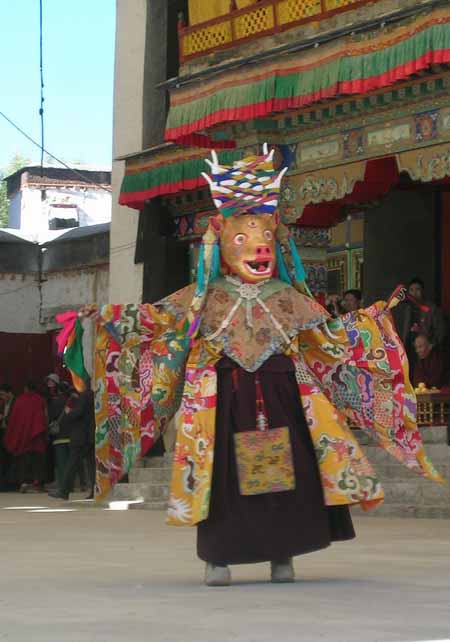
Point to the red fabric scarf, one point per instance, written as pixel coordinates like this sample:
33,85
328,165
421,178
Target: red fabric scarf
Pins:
27,425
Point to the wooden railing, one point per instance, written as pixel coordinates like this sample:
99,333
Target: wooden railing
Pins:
433,409
263,18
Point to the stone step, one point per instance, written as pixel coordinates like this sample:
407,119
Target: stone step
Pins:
129,492
438,453
386,509
386,467
418,493
413,489
434,435
149,506
392,472
144,492
407,494
155,462
151,475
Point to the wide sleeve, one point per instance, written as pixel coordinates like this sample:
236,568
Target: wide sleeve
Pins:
139,372
360,364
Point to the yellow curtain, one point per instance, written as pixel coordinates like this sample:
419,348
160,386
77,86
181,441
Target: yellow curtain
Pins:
204,10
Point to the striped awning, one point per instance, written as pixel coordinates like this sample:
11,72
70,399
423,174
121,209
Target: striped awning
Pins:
352,65
177,169
167,171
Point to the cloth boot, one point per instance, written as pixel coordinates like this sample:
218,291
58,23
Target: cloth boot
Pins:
217,575
282,571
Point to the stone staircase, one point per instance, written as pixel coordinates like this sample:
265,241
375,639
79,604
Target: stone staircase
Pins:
148,484
407,495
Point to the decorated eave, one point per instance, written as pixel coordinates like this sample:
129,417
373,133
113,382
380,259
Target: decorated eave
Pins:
351,152
350,65
371,81
166,169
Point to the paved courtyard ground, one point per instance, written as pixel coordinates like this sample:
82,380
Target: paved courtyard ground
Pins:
92,575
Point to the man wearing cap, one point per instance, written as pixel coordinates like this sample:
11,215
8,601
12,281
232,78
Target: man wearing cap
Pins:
56,401
79,422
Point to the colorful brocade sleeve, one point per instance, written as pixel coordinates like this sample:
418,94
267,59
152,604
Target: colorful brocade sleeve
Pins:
139,372
361,367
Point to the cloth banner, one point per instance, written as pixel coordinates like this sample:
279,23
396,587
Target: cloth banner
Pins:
354,64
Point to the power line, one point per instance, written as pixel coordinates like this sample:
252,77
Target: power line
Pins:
22,287
58,160
122,248
41,68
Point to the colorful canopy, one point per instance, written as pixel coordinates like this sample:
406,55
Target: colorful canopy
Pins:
352,65
171,171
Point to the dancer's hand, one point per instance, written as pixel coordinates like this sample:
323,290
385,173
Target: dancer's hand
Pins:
89,311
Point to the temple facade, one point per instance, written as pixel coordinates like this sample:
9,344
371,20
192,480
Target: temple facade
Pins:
353,96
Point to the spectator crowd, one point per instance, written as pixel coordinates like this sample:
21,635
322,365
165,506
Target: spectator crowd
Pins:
47,439
422,328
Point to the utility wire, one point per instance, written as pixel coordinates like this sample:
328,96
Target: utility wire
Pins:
41,68
114,250
58,160
22,287
122,248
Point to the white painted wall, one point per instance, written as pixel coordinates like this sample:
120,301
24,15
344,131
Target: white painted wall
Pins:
93,205
19,303
70,289
126,277
29,214
61,290
14,211
20,309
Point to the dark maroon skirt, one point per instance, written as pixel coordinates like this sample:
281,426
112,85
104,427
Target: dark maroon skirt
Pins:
258,528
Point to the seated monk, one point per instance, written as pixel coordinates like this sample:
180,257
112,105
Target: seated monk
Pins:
430,367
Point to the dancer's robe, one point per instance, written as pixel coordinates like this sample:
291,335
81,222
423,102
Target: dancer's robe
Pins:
319,380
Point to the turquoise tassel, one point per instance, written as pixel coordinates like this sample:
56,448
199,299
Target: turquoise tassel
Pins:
215,267
300,274
201,271
282,270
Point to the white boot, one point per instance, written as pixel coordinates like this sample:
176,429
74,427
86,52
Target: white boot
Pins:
217,575
282,571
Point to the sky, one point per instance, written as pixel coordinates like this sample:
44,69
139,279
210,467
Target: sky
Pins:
78,50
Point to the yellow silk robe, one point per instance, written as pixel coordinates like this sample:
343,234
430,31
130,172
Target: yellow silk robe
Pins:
350,372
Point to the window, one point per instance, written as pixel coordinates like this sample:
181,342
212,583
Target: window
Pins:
62,216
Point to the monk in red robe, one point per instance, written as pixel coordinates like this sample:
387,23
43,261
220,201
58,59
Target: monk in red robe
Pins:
430,367
26,440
